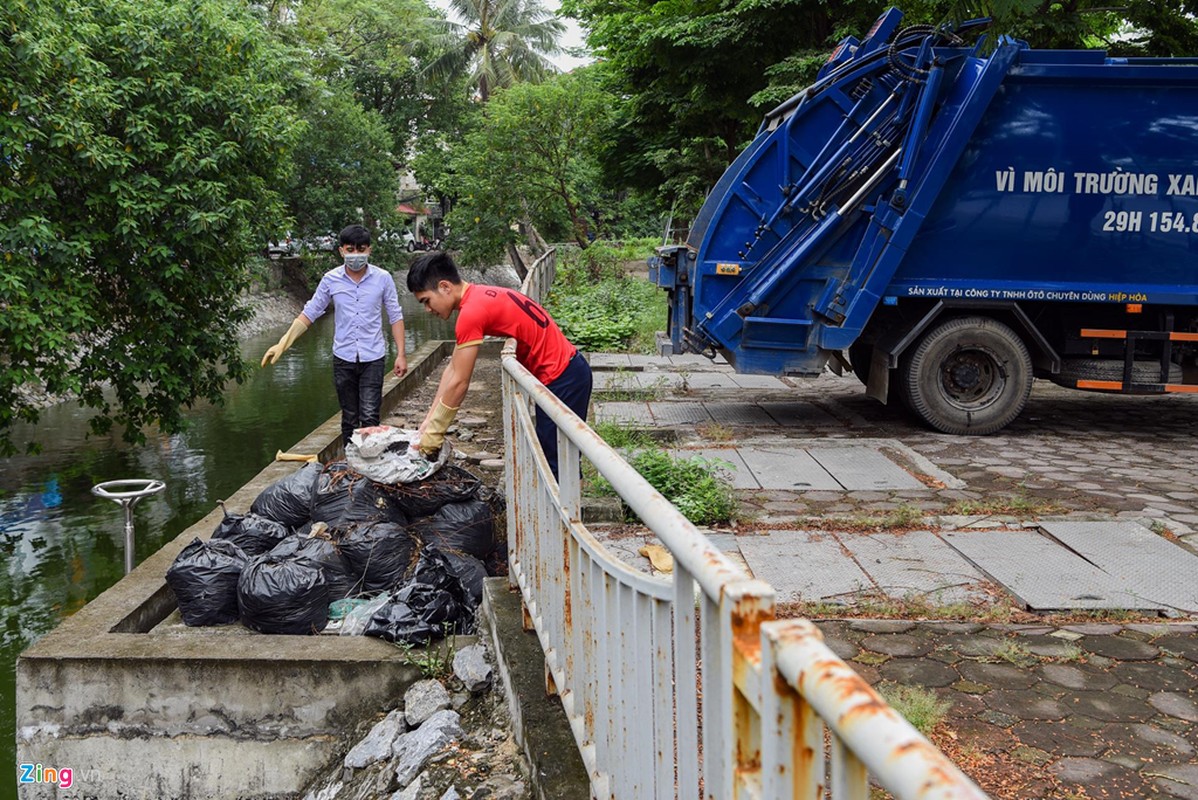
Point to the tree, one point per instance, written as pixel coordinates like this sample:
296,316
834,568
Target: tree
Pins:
144,142
534,157
499,43
343,168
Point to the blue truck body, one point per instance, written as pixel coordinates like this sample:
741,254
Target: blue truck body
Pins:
951,221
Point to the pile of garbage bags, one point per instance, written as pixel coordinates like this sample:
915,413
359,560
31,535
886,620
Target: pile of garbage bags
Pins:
404,562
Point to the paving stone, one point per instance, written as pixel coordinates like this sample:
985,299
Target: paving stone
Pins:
1185,646
1095,629
1109,706
1059,738
918,672
986,736
1127,690
1120,648
898,644
1025,706
1031,755
882,625
803,565
969,687
945,656
842,647
1153,676
998,718
1145,740
974,646
1175,705
998,676
1088,772
1050,647
1180,780
955,627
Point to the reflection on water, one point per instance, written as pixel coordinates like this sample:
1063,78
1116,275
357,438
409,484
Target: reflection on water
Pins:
60,546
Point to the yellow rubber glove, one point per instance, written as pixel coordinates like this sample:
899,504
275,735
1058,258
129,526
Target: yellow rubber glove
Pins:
294,332
434,432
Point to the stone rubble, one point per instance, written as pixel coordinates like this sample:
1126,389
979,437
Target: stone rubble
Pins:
468,752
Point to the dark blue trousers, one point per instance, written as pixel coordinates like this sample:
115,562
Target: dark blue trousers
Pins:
573,387
360,393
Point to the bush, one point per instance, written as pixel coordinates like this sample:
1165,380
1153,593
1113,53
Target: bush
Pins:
601,308
698,486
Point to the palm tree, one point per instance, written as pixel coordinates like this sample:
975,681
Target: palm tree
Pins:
498,43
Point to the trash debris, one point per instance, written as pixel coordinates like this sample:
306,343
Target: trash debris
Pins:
379,553
433,605
204,580
283,594
658,556
342,579
385,454
451,484
467,527
289,500
252,533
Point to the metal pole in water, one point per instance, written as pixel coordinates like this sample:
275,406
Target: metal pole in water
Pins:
128,492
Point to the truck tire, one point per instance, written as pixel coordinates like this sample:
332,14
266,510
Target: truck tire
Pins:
1111,369
968,376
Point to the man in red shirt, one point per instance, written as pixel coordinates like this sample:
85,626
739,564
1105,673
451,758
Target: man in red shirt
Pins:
493,311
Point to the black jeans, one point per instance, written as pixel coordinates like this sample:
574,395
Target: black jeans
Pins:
360,392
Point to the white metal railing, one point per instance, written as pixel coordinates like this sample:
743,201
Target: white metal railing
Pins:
685,688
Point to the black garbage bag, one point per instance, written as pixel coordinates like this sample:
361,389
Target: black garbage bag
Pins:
343,496
283,594
470,571
253,534
204,580
467,527
288,500
327,554
432,605
379,554
450,484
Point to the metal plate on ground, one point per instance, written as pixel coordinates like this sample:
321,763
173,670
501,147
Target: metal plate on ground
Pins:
804,565
635,413
679,413
916,564
1041,573
739,414
863,469
734,465
799,413
710,380
778,468
1146,564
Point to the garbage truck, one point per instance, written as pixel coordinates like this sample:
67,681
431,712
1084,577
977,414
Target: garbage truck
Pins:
952,219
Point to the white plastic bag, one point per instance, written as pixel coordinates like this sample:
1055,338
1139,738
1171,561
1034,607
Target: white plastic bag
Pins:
356,620
388,455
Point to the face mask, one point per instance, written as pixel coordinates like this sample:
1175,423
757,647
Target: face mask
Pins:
356,261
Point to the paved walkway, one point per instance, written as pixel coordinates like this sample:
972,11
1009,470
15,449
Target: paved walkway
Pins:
1088,502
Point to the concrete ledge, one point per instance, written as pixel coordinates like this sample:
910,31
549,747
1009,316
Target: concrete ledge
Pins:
201,712
539,720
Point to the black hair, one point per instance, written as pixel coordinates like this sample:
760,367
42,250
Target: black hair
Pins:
355,235
429,270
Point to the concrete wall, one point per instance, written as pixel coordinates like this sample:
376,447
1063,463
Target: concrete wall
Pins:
139,706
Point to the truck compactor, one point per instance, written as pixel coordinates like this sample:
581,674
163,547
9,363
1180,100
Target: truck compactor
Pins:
950,222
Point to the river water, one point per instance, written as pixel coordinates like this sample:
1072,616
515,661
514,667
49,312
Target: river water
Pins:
60,546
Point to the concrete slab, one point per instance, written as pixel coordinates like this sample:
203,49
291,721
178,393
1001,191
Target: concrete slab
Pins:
799,413
633,413
739,414
666,414
615,380
914,564
606,361
711,380
742,476
787,468
1041,573
758,382
1146,564
863,468
804,565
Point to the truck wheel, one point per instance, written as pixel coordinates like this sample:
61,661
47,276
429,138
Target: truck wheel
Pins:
1111,369
969,376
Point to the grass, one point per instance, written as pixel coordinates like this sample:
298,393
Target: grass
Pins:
904,517
1021,504
622,386
434,660
1015,653
714,431
699,487
921,707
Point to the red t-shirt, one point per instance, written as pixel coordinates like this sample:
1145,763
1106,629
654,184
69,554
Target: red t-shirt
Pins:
492,311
